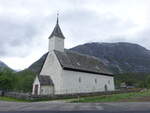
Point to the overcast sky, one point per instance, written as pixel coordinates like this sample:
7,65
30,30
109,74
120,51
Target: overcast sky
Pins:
25,25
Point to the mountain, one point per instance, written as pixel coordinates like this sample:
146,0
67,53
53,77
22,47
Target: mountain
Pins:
118,57
36,66
3,66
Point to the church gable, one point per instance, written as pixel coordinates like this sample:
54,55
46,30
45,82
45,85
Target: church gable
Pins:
53,69
51,65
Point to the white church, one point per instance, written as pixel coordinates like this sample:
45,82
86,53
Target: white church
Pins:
69,72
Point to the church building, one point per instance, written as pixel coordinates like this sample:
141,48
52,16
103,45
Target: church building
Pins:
68,72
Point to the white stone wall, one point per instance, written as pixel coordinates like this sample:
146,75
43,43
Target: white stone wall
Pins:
80,82
56,43
47,90
36,82
53,69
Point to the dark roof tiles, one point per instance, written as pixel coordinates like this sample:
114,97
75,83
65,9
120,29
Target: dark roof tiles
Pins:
45,80
57,32
75,61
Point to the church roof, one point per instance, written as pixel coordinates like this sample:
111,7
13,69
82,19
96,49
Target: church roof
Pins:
45,80
70,60
57,31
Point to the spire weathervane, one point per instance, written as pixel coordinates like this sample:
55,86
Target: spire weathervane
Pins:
57,17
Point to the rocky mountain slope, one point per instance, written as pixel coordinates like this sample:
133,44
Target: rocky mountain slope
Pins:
36,66
118,57
3,66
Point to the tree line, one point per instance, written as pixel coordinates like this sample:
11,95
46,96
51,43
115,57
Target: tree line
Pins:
16,81
138,80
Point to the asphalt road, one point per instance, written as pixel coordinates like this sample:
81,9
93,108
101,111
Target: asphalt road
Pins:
76,112
62,107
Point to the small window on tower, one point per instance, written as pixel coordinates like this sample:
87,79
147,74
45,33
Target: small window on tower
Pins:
80,79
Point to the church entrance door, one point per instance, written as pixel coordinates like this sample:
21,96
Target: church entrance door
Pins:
106,88
36,90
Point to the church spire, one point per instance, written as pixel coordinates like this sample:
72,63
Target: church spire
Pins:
57,31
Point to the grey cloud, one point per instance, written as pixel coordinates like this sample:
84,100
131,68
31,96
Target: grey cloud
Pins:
78,23
26,24
90,26
143,37
15,34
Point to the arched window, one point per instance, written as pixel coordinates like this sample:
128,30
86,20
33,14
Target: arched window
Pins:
80,79
95,81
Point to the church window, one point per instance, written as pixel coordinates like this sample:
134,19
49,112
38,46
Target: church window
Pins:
95,81
79,79
108,81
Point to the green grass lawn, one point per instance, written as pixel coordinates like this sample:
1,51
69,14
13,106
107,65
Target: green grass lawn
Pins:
113,97
12,99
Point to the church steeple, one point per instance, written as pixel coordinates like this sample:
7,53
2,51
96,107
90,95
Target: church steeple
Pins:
57,31
56,39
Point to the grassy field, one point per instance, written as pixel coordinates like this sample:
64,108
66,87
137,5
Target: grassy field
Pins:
12,99
113,97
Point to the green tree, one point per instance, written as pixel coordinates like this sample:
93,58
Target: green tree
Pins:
148,81
6,79
6,83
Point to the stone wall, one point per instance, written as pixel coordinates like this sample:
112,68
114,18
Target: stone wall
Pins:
28,96
24,96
